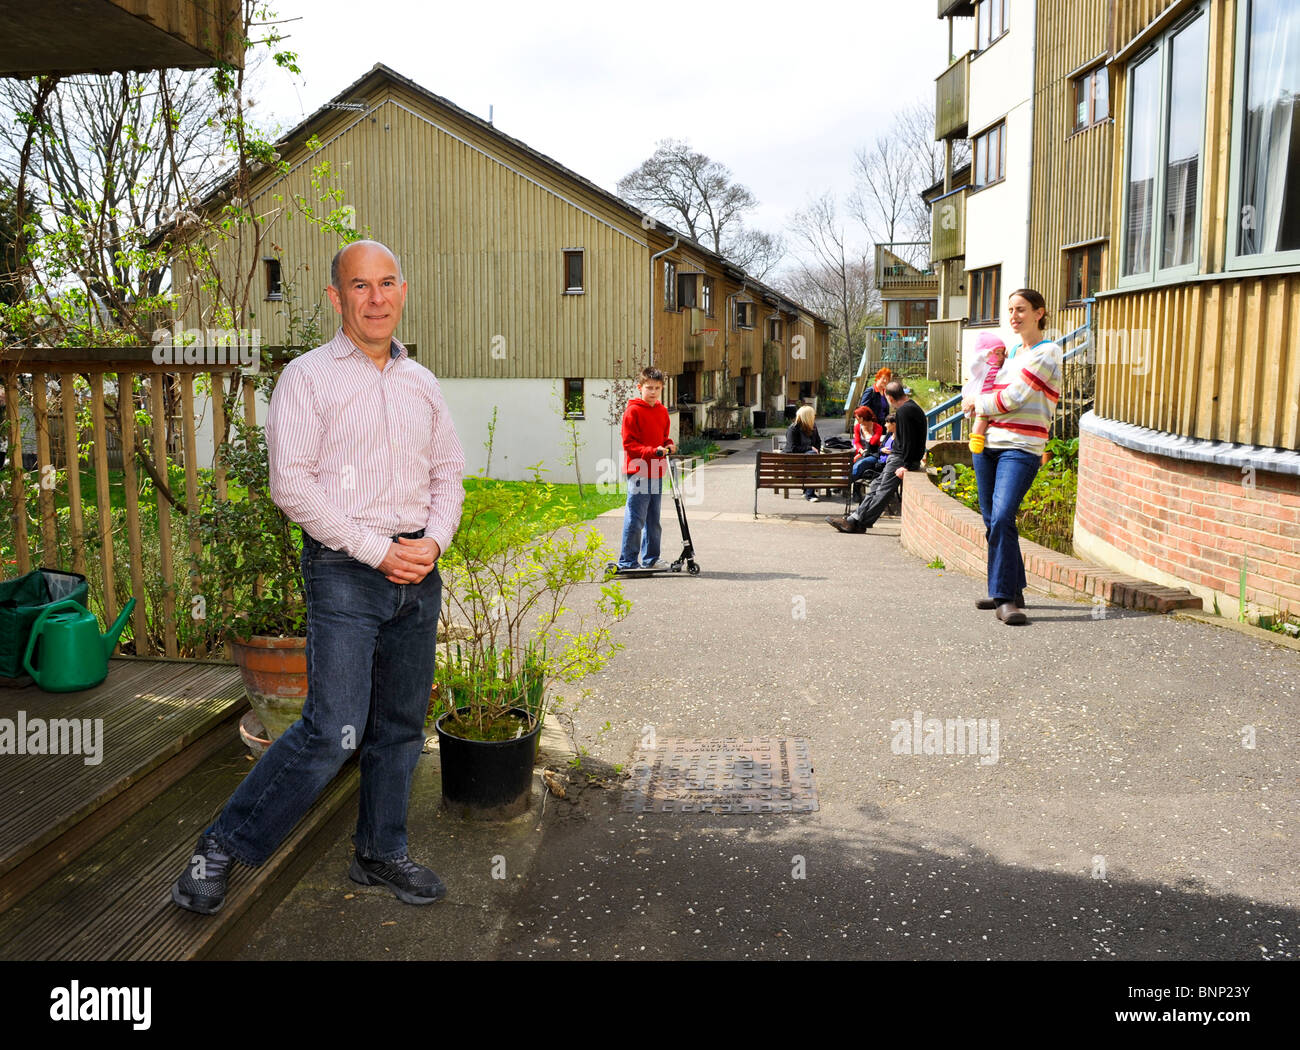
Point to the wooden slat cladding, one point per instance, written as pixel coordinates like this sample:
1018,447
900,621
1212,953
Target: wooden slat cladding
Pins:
481,226
1071,187
1132,16
1218,360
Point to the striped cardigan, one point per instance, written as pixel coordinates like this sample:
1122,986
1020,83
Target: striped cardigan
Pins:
1023,401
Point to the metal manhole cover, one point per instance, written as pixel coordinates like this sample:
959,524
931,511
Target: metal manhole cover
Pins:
729,775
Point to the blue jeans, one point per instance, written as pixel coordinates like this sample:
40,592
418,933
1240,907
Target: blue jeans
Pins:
641,522
1004,476
370,655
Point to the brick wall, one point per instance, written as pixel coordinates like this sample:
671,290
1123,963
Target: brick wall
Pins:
1193,522
935,524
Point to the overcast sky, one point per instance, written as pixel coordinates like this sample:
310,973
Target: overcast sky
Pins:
782,93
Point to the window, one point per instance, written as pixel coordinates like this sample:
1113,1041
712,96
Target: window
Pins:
991,22
687,283
1266,138
985,295
573,399
744,315
708,297
1091,98
707,395
774,330
573,271
274,287
1166,130
670,285
1082,273
990,164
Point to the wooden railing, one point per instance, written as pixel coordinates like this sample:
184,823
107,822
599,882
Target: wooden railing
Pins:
952,93
61,540
903,268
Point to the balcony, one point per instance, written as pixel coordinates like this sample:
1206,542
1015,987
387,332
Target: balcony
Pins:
904,270
956,8
70,36
944,362
952,94
948,225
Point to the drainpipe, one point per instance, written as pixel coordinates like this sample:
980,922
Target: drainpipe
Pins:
677,239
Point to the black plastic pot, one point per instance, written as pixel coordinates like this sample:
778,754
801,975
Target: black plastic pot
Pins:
487,779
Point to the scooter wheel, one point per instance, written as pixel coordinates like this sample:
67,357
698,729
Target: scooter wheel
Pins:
693,569
611,569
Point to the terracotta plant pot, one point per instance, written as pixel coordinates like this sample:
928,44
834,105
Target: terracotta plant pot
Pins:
274,670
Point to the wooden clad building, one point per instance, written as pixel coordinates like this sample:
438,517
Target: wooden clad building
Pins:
531,289
1164,184
1190,465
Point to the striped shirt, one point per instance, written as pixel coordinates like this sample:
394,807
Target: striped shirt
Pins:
358,455
1023,401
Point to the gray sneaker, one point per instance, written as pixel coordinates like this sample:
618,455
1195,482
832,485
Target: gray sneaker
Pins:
410,882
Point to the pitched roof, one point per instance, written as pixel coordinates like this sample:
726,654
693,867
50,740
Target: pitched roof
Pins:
378,74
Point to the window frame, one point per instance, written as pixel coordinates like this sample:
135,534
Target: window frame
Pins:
1160,50
1084,250
581,410
581,287
974,279
670,286
999,126
276,296
1233,259
987,5
749,308
706,293
1100,71
691,280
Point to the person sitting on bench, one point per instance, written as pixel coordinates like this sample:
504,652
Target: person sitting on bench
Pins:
907,453
802,437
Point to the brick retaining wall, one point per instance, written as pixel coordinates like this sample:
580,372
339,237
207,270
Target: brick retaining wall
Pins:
936,524
1191,523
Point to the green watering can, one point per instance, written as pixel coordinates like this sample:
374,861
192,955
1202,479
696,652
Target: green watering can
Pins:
73,652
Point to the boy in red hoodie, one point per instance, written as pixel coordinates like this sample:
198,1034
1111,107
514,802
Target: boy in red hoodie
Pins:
645,445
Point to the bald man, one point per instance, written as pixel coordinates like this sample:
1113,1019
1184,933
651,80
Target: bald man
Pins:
363,456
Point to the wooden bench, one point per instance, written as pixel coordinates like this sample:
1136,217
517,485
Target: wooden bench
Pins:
783,471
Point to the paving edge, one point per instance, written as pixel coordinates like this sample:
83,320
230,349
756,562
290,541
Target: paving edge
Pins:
936,524
1259,634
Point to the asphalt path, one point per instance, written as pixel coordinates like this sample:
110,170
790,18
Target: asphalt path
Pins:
1141,802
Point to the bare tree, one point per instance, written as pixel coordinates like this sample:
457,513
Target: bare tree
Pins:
103,168
833,278
680,184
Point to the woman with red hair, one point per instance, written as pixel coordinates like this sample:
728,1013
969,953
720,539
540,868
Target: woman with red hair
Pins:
874,398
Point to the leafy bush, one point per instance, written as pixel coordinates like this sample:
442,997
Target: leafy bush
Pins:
508,574
1047,511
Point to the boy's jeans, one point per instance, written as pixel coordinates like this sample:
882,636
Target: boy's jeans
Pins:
642,514
1003,476
370,655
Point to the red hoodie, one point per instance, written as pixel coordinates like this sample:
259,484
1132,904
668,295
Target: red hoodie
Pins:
645,428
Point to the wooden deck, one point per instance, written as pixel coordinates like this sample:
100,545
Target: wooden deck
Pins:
88,851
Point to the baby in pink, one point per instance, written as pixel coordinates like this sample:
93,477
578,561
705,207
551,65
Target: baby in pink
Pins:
991,352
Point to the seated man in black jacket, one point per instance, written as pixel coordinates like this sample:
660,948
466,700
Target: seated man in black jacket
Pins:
907,453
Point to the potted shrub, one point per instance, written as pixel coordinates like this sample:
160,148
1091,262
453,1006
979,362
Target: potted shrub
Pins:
508,575
250,585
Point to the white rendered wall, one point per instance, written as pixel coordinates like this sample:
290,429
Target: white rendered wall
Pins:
530,428
997,217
